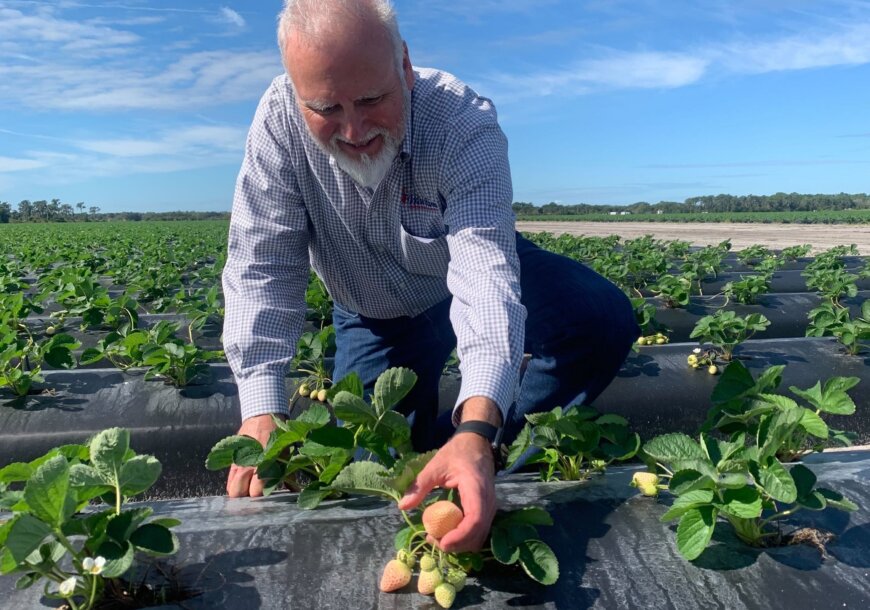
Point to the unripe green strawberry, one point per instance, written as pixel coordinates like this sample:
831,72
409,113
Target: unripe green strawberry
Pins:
427,562
661,341
646,482
641,341
407,558
441,517
321,395
50,330
304,390
713,369
396,575
445,594
457,578
428,580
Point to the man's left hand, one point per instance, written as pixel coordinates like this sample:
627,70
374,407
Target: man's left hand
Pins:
464,463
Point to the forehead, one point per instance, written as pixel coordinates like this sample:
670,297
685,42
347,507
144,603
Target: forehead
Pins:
341,62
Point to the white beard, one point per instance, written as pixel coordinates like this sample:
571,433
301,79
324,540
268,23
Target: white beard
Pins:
367,171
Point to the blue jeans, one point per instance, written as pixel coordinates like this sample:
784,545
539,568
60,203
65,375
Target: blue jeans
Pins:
579,330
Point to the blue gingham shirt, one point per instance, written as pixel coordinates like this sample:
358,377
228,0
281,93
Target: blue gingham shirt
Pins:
439,224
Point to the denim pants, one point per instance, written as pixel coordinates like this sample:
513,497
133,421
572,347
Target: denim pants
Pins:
579,330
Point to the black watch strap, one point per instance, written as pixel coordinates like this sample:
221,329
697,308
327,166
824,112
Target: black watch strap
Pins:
484,429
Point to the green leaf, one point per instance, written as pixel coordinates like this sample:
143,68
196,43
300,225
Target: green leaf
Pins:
154,539
392,386
221,455
685,481
365,478
405,471
505,541
316,414
532,515
775,430
15,472
353,409
736,380
25,535
688,501
108,449
813,501
398,430
311,497
539,561
813,424
332,437
777,482
138,474
119,558
743,502
695,531
119,527
804,479
668,448
48,493
837,500
349,383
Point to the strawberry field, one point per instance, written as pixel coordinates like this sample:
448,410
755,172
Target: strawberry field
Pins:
711,452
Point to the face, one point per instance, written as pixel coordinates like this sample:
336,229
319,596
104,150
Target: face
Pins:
352,97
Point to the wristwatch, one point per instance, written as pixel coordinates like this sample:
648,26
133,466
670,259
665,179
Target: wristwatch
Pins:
491,433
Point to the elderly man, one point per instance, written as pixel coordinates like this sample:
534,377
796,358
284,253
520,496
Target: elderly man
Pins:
394,185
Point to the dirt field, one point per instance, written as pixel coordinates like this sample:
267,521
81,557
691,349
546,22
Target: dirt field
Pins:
742,235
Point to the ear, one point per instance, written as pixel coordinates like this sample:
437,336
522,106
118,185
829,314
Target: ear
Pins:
407,68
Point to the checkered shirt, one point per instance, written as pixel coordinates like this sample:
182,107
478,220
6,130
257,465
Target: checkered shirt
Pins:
439,224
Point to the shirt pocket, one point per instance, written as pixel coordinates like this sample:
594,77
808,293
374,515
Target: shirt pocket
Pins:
423,222
424,255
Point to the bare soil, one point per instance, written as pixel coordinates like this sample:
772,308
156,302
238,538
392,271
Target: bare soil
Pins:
742,235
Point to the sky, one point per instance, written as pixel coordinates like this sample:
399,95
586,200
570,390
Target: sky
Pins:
131,105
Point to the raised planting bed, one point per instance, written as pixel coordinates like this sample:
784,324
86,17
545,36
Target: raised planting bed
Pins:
781,281
787,312
612,549
178,426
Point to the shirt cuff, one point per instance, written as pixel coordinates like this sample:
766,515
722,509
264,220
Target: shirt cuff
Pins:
262,393
489,379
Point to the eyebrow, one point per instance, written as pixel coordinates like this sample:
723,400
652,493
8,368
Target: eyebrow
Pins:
323,105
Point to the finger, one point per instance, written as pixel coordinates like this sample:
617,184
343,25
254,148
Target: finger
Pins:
425,482
238,481
255,490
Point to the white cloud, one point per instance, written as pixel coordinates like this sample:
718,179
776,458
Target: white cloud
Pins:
10,164
230,16
197,140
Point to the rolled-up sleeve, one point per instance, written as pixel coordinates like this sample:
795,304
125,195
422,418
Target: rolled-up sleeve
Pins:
483,273
266,273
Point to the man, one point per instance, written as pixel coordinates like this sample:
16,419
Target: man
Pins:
395,184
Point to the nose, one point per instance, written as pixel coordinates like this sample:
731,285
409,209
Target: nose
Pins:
353,129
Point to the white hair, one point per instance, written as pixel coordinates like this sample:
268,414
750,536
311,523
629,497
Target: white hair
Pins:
310,17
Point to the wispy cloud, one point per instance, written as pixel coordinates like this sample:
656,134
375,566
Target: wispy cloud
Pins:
190,141
11,164
228,15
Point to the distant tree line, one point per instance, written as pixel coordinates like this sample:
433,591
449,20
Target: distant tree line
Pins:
55,211
779,202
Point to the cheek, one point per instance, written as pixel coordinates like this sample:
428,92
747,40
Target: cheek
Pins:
321,128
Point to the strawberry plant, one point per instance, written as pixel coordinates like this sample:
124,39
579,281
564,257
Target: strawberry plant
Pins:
747,289
753,253
126,348
725,330
652,331
829,320
739,481
674,289
178,363
202,307
832,283
742,404
82,555
792,253
317,449
318,301
311,352
22,357
574,442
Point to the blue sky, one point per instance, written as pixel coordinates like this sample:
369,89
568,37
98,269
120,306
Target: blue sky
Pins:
131,105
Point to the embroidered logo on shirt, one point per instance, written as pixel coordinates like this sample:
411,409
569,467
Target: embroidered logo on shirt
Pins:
418,203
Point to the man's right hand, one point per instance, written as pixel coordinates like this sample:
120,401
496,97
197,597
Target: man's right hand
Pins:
243,480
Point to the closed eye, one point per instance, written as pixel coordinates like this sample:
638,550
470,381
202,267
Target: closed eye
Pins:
370,101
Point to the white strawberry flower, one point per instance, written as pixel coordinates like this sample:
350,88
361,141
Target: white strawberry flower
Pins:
697,350
68,586
94,566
